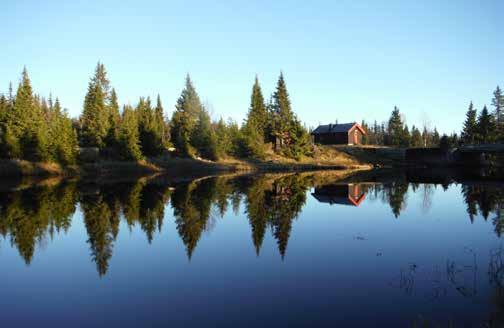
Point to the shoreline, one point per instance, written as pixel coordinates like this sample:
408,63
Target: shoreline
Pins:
177,167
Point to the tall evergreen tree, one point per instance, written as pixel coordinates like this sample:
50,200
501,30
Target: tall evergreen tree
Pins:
416,138
95,116
498,104
63,137
395,129
159,122
487,129
129,141
257,116
114,118
28,123
283,116
290,135
255,127
203,137
185,118
470,130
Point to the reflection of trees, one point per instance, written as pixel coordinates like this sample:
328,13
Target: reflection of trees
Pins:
275,202
396,195
485,200
393,194
101,223
28,215
143,204
192,205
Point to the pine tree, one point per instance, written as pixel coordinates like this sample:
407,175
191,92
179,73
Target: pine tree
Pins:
114,118
95,116
282,111
416,138
203,138
291,137
129,142
470,130
395,129
224,143
257,116
487,129
63,144
498,104
159,122
435,138
27,123
406,137
185,117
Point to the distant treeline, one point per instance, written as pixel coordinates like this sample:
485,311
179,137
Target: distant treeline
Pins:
38,129
487,127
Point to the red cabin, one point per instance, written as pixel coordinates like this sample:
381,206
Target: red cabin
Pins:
339,134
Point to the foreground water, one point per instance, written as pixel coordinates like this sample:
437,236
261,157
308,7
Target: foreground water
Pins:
274,250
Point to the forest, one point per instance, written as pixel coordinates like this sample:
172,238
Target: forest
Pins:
39,129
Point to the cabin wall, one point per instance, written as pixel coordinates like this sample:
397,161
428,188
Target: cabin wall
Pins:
335,138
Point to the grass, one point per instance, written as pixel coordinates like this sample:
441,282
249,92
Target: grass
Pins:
324,158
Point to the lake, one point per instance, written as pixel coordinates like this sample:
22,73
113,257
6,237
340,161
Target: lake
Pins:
284,250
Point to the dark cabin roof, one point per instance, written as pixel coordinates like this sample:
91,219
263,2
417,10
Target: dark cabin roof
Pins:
335,128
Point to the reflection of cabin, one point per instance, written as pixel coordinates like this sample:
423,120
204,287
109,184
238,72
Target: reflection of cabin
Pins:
339,134
351,194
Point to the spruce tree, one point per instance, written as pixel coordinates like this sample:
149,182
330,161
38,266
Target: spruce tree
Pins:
129,142
487,129
435,138
395,129
114,118
416,138
159,125
63,143
255,127
257,116
283,116
498,104
27,122
95,116
224,142
470,130
185,117
203,138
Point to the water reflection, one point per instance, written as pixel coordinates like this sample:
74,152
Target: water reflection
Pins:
352,194
31,216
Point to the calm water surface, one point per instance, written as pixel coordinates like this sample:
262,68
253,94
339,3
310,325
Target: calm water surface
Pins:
273,250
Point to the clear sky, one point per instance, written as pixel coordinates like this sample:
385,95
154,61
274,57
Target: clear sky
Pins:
342,60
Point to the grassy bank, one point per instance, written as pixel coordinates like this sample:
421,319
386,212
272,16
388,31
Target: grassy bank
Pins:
325,158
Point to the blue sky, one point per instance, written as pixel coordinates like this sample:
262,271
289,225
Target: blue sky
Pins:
342,60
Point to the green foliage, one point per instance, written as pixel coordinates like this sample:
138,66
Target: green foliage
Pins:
129,142
396,132
290,137
224,142
151,127
114,119
63,144
185,118
255,127
204,138
470,130
416,138
95,117
487,128
498,104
